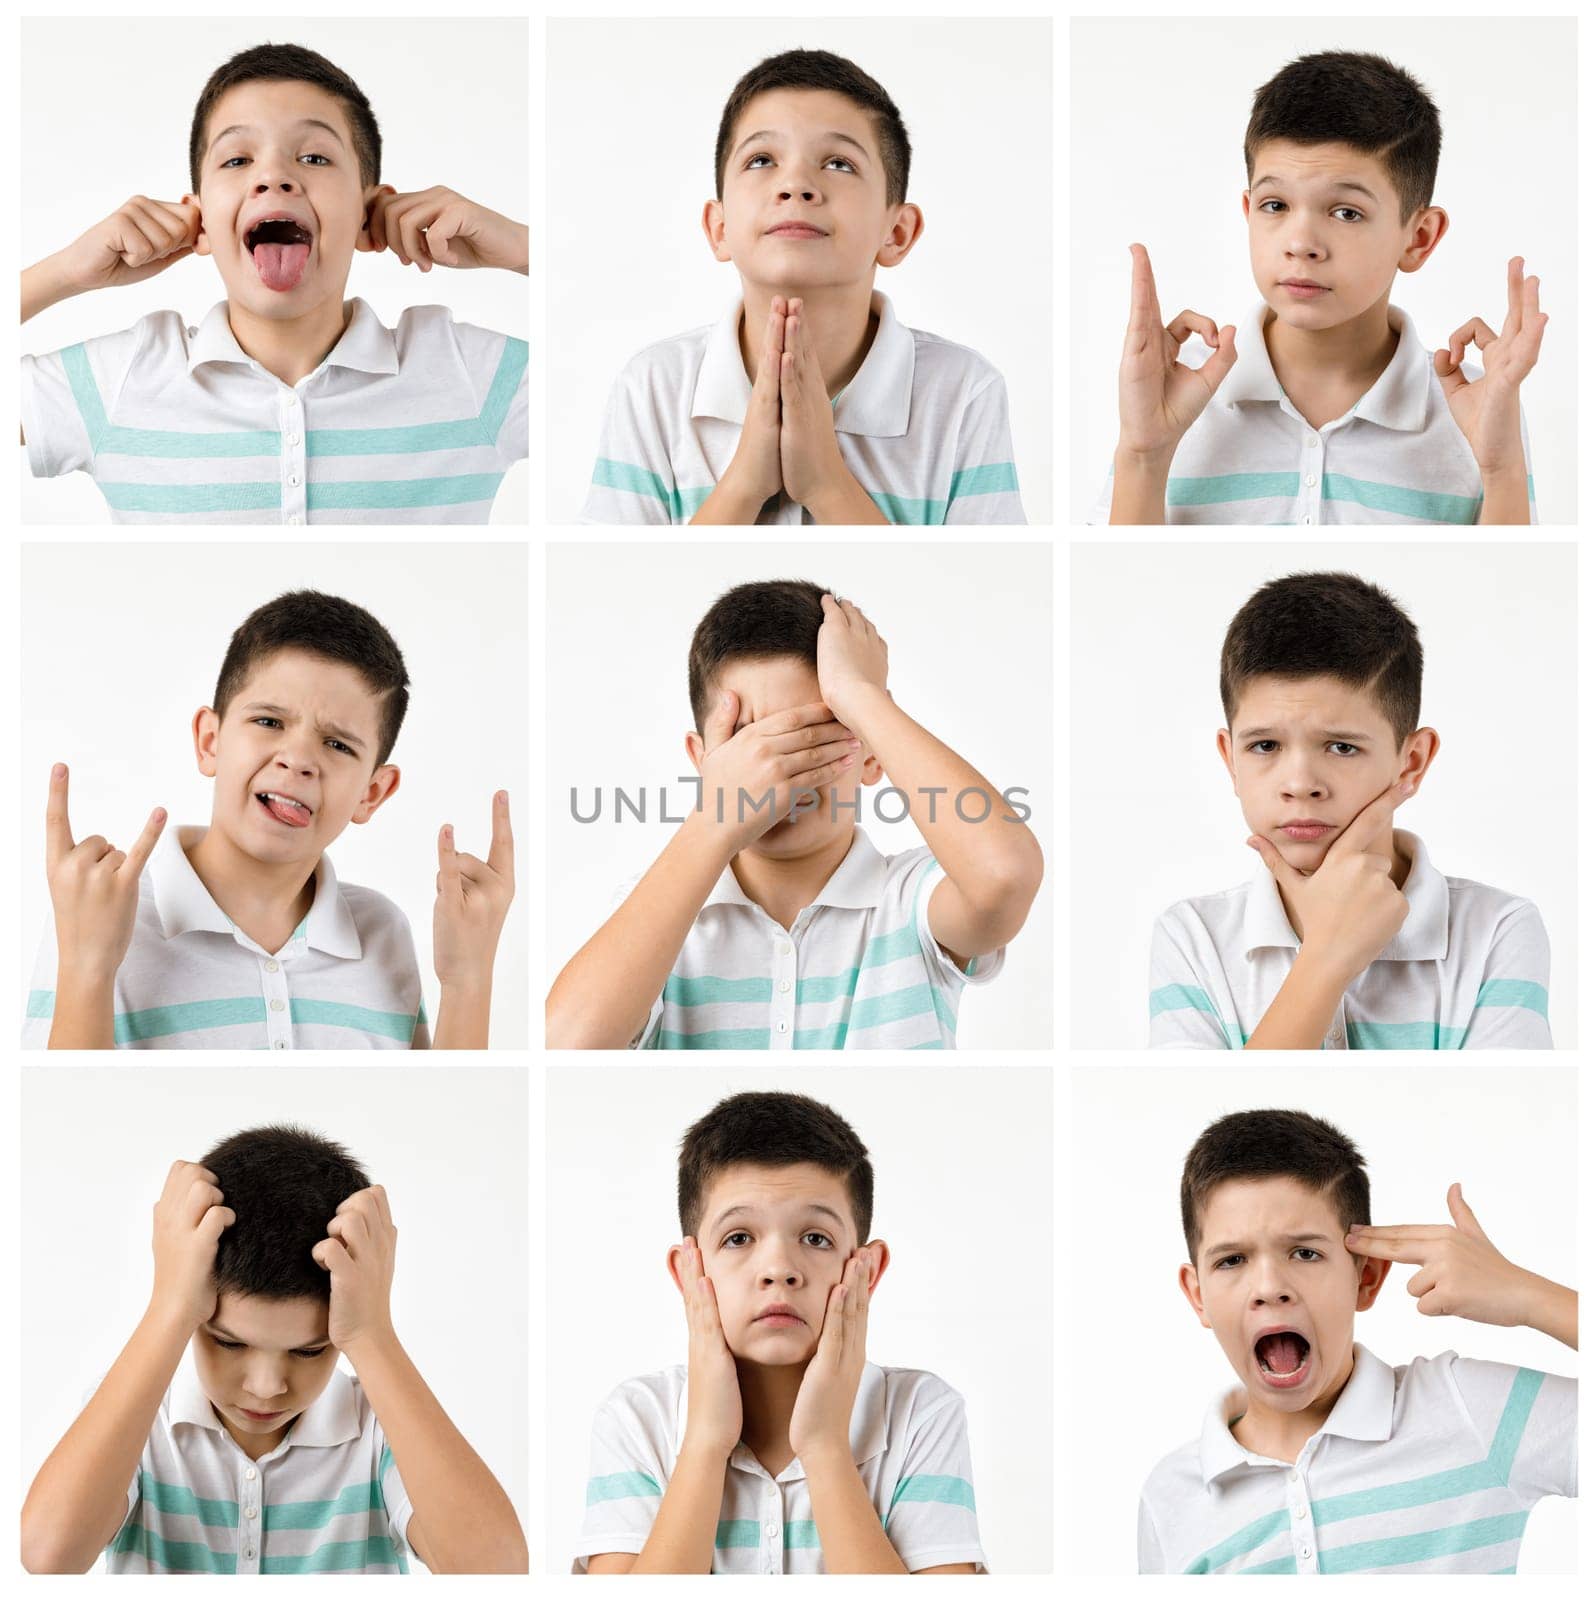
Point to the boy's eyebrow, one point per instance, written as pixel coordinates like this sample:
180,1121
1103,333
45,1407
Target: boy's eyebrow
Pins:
303,122
1334,183
326,727
216,1327
731,1211
773,133
1230,1247
1347,734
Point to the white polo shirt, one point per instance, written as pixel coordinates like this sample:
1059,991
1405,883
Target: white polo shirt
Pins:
909,1441
327,1499
1469,969
346,978
1396,456
1426,1468
859,969
414,424
922,426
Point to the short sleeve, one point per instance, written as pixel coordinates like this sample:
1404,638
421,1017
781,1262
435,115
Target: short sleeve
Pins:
1512,1008
1148,1544
984,487
943,969
38,1015
67,394
1187,1004
1527,1422
626,1474
633,480
931,1521
395,1498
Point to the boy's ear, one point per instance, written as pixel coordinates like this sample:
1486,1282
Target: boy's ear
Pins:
207,730
694,749
382,785
1427,229
1191,1284
1417,755
201,239
1370,1281
1226,750
878,1254
907,227
362,240
675,1260
714,229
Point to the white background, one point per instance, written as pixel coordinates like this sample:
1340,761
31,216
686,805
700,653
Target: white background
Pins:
111,120
628,264
459,1292
970,634
1169,98
1510,1140
110,685
1154,816
964,1202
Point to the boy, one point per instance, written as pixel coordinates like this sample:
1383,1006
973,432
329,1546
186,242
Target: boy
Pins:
1347,936
1328,407
778,1447
1325,1460
240,935
769,921
219,423
808,401
272,1255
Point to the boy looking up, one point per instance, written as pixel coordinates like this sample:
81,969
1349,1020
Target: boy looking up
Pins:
808,401
286,404
1347,936
239,935
1324,1459
1324,406
272,1255
769,920
779,1447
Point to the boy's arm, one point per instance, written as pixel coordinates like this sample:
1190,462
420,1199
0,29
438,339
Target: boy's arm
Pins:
473,898
79,1496
461,1519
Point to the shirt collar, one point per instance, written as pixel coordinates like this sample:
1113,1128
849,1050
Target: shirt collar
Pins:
1399,399
877,401
1364,1410
855,885
331,1418
1423,936
184,904
365,346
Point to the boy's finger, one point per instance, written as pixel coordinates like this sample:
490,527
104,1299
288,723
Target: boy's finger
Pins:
145,842
1419,1283
720,723
57,827
501,852
447,858
1465,1219
1513,297
1216,367
1143,308
1372,819
1282,871
331,1255
1385,1249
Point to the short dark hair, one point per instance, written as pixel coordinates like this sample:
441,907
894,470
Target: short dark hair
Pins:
819,69
323,625
1250,1145
761,621
1326,624
772,1129
284,1185
1365,101
289,63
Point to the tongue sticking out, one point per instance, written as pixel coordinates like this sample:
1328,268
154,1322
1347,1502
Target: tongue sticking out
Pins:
285,811
1281,1353
281,265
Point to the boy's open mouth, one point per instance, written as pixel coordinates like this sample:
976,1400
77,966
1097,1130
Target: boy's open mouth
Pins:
280,247
293,813
1283,1358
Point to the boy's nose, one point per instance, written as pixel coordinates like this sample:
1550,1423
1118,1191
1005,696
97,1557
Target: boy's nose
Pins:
798,191
294,761
265,1385
1303,785
277,185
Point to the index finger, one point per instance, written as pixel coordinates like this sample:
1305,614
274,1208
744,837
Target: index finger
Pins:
57,829
145,843
1513,296
795,717
501,852
1373,817
1143,307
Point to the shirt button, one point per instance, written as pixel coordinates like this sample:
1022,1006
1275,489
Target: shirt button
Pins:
1313,442
293,438
249,1511
249,1554
1306,1552
1311,480
785,949
281,1044
785,984
1306,520
277,1005
1295,1477
780,1026
293,480
771,1529
293,521
271,966
249,1472
193,333
1300,1511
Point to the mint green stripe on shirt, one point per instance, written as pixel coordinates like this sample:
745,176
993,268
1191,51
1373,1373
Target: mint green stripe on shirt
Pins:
1426,505
998,477
175,1555
629,479
177,1499
907,513
191,499
344,1555
361,1019
1404,1549
1515,992
1240,1543
1219,488
300,1514
822,991
935,1488
709,990
897,945
1284,1566
193,1016
621,1486
1402,1036
737,1533
398,494
1189,997
898,1006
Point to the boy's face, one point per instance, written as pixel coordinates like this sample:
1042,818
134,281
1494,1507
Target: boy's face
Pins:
805,206
1273,1280
281,149
776,1237
1307,754
262,1362
1328,214
294,757
761,689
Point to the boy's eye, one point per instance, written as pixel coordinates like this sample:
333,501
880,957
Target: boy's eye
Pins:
1341,748
1263,747
225,1344
1307,1253
841,161
752,161
1352,209
1263,207
731,1241
338,744
819,1240
309,156
310,1355
267,722
1227,1261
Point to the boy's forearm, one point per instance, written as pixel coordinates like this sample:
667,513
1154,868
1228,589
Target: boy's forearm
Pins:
469,1523
850,1531
728,506
85,1013
1552,1309
844,502
682,1536
463,1015
1505,496
1140,488
604,994
79,1495
42,287
1303,1009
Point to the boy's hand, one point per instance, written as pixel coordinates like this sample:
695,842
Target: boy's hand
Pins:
851,656
135,242
473,898
822,1416
810,457
358,1251
713,1394
438,227
1349,908
754,471
1158,397
1486,409
93,888
189,1219
778,756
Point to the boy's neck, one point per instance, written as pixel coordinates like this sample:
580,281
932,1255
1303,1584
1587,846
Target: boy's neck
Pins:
768,1396
254,1445
1281,1435
293,349
784,888
839,323
1337,364
267,901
